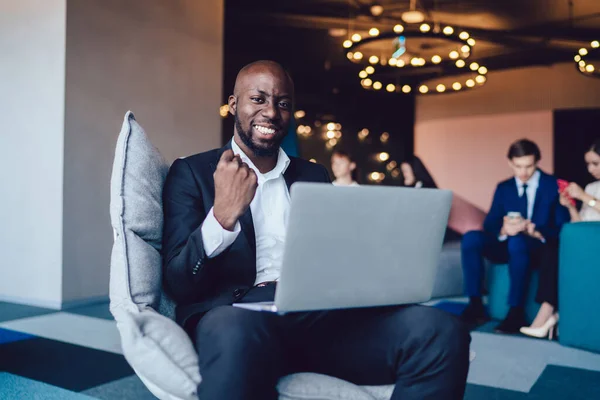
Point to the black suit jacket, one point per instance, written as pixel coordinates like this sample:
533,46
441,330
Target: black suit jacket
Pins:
198,283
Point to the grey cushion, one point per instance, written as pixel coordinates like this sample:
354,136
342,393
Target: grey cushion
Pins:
136,186
161,354
311,386
158,349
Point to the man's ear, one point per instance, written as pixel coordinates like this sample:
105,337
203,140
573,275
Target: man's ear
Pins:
352,166
232,101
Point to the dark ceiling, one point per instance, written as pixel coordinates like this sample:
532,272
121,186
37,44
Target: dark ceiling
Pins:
510,33
306,36
298,33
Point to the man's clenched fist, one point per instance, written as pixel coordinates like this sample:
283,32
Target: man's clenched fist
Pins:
235,186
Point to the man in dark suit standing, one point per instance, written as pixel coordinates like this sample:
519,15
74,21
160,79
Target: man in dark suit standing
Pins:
225,217
525,214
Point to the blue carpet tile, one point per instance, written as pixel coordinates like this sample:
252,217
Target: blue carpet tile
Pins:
14,387
8,336
61,364
478,392
10,312
558,382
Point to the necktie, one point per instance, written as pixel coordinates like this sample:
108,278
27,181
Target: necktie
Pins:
524,202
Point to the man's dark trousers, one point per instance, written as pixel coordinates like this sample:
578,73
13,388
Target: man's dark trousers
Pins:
519,251
242,353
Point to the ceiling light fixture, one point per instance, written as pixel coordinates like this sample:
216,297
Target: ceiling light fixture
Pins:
337,32
224,110
413,16
587,60
376,10
470,80
381,72
401,56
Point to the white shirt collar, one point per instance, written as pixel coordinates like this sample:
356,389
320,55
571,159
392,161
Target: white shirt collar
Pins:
534,181
283,161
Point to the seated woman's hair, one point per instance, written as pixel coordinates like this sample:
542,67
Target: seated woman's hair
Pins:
419,171
595,147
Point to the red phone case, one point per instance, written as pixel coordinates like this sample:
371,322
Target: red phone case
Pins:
562,186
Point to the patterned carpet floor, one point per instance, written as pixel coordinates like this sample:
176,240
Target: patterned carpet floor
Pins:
48,354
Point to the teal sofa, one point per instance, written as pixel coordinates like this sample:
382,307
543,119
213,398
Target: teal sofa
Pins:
579,286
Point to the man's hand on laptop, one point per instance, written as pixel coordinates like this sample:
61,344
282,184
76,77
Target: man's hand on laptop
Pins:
235,186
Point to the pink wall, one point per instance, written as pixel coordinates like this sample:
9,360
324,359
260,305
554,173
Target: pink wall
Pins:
463,138
517,90
468,154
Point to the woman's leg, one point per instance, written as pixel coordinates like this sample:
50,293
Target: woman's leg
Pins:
547,293
545,312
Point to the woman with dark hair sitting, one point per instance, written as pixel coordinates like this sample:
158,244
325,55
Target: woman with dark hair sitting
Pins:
590,209
547,317
415,174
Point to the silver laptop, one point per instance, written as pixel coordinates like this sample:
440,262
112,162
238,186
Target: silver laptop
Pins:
359,246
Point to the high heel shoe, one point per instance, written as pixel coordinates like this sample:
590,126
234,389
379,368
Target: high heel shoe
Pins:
546,330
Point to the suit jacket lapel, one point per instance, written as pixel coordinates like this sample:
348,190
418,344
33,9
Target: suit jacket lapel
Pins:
538,195
290,174
516,196
247,225
213,164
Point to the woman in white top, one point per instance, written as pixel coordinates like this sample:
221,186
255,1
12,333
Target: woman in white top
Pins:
590,210
547,317
344,169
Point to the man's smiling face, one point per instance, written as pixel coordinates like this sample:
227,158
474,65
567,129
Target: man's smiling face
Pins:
262,106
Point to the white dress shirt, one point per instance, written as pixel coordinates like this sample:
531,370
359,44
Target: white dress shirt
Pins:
270,209
532,186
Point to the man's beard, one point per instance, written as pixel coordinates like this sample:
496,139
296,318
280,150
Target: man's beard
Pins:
258,151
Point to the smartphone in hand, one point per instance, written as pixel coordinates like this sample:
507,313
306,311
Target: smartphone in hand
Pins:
514,215
562,189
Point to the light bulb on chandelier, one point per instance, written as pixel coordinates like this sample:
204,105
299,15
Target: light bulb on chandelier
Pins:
588,60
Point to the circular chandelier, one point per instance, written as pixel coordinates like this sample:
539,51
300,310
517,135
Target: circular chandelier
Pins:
584,65
359,50
473,77
382,68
